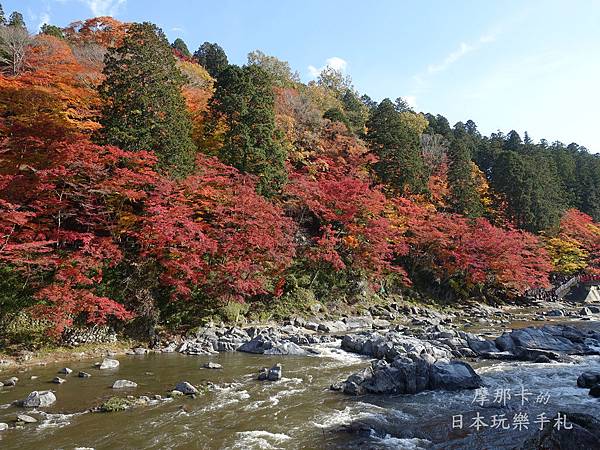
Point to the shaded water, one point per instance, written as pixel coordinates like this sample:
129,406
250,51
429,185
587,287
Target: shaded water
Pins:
297,412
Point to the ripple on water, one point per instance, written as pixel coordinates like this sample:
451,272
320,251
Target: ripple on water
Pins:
259,439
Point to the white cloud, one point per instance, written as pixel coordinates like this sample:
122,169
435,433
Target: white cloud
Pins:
178,29
104,7
463,49
411,100
44,18
335,62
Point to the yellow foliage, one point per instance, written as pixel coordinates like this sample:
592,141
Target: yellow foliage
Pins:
567,255
415,121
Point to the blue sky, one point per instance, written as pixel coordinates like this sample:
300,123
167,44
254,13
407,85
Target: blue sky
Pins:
523,65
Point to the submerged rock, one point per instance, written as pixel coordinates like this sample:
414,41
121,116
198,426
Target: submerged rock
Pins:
58,380
410,375
212,365
26,419
84,375
595,390
65,371
124,384
39,399
3,426
108,363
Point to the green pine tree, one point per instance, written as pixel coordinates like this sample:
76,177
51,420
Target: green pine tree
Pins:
244,101
2,16
144,108
180,45
464,197
212,57
16,20
398,148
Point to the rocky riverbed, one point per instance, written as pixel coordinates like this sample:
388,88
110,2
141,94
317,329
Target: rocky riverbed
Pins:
395,378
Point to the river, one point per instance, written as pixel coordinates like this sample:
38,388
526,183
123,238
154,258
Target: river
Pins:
299,411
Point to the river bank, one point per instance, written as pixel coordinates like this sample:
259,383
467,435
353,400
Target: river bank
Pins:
235,410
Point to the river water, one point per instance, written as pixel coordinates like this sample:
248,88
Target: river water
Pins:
299,411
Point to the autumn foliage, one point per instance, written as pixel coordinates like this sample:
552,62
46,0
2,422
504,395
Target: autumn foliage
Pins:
72,211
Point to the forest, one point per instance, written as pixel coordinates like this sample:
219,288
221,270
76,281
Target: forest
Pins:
143,184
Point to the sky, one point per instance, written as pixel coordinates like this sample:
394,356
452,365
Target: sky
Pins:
524,65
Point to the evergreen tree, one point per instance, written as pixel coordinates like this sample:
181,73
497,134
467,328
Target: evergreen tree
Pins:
143,105
398,148
2,16
532,190
244,102
464,197
356,111
52,30
16,20
337,115
212,57
181,47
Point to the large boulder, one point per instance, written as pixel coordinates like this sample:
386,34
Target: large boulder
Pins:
552,341
358,322
595,391
39,399
330,326
393,344
410,375
272,343
583,433
588,379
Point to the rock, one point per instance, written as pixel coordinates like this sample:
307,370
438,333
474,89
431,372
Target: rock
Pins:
84,375
585,311
65,371
39,399
555,313
271,344
124,384
272,374
186,388
3,426
109,364
12,381
595,390
313,326
286,348
361,322
58,380
32,377
212,365
25,418
381,324
588,379
330,326
175,393
140,351
410,375
299,322
594,309
542,359
584,433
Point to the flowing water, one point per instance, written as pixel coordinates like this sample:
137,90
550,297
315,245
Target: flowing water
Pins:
299,411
